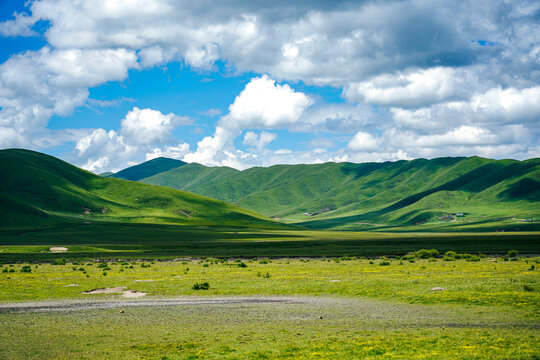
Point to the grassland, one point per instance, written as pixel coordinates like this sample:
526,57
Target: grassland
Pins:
161,241
334,309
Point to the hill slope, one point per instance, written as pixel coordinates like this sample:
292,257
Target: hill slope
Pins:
37,189
147,169
375,195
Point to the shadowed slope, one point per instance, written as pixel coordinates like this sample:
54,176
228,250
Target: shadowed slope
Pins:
148,168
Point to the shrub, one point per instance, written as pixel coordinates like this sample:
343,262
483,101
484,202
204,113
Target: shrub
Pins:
102,265
512,253
59,262
531,268
5,270
11,270
26,269
528,287
384,263
426,254
451,254
201,286
263,262
473,258
242,265
205,265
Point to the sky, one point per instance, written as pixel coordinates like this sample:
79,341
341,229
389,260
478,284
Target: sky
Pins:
106,84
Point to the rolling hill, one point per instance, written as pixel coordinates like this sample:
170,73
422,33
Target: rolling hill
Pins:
37,189
146,169
412,195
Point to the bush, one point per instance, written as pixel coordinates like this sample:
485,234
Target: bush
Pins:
528,288
26,269
5,270
512,253
473,258
205,265
384,263
59,262
264,262
426,254
242,265
201,286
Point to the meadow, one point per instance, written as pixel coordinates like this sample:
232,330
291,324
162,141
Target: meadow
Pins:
110,240
321,308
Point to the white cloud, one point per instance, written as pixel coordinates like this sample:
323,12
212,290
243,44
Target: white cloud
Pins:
103,150
217,149
211,112
363,141
413,88
88,68
258,142
20,26
428,56
265,104
147,126
144,134
174,152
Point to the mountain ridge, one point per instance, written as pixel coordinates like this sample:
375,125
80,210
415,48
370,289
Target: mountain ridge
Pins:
387,192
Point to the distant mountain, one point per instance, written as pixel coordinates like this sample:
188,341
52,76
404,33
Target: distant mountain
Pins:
377,196
147,169
37,189
106,174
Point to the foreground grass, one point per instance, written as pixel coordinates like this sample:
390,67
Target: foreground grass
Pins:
491,281
349,329
491,309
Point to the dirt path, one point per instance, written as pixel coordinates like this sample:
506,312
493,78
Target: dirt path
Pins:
74,305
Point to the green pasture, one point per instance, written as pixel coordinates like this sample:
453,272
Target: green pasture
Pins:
128,240
343,308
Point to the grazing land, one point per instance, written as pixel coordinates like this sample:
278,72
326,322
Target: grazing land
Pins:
274,309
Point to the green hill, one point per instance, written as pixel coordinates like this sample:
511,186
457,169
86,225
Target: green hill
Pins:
411,195
37,189
147,169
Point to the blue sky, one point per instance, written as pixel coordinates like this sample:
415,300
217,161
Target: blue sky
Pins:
108,84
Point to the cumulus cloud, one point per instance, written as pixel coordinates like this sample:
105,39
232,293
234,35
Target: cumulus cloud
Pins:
144,135
423,72
265,104
363,141
37,85
258,142
412,89
147,126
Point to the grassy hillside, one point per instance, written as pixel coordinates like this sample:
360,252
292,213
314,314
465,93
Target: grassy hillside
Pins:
147,169
411,195
38,189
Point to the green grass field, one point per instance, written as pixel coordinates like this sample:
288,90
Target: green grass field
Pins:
333,309
152,241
